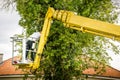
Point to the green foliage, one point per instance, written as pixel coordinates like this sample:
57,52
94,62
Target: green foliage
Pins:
67,52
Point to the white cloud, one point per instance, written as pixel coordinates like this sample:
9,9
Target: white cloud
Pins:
6,49
116,61
8,27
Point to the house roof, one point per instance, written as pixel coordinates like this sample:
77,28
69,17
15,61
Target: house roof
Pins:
110,72
6,68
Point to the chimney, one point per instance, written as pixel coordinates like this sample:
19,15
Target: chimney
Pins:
1,58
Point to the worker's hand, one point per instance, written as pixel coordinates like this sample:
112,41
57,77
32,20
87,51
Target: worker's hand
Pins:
35,50
36,41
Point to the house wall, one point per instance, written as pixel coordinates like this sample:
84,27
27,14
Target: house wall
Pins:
17,77
31,77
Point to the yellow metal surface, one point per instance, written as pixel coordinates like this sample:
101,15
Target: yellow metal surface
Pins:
75,22
95,27
43,38
88,25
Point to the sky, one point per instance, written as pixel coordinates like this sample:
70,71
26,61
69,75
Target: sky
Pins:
9,26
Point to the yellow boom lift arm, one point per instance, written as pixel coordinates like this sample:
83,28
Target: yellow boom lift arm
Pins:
71,20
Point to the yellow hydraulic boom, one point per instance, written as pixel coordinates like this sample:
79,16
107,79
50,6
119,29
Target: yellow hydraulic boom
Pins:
71,20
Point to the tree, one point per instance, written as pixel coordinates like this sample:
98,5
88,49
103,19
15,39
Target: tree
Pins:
68,52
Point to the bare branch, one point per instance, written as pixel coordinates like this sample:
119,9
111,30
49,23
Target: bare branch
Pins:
7,4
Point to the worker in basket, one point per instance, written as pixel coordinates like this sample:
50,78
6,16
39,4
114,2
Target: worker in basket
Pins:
30,45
